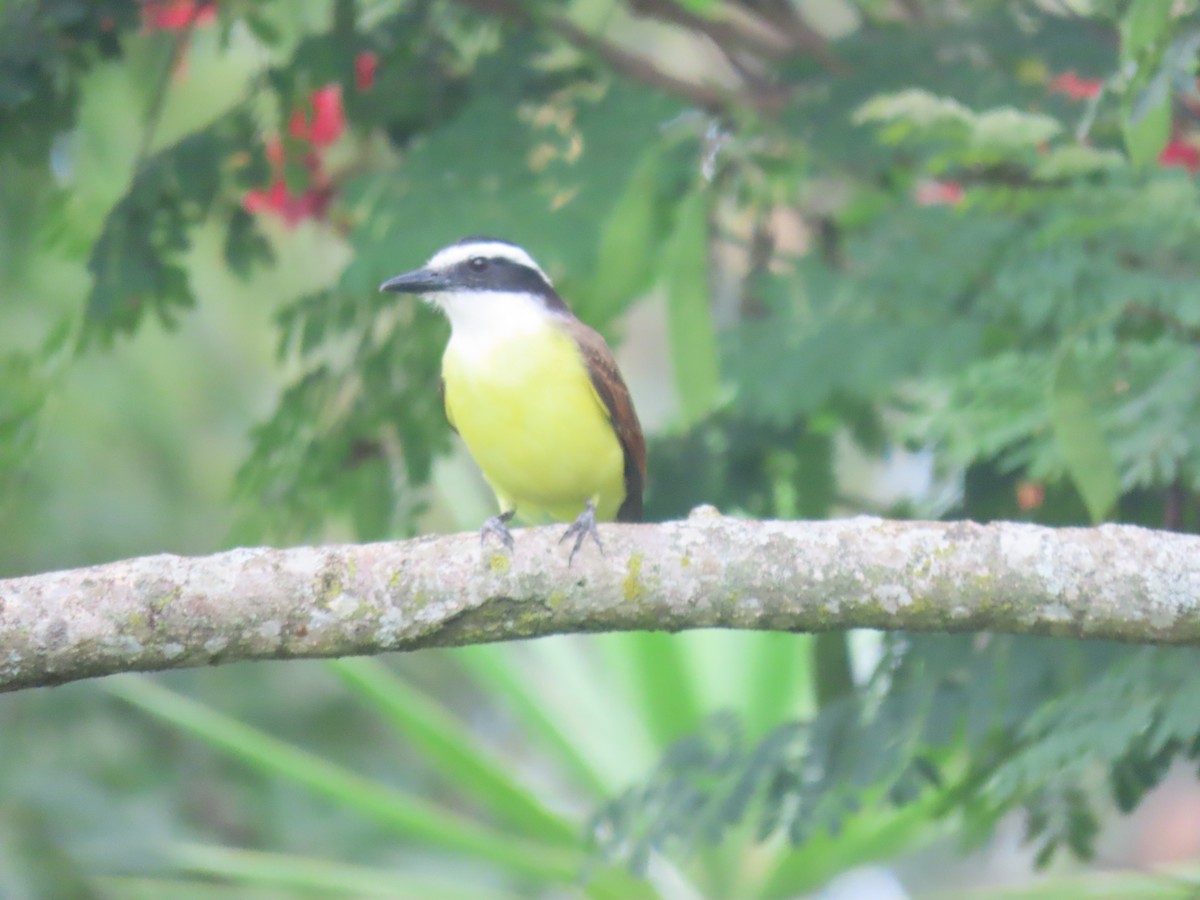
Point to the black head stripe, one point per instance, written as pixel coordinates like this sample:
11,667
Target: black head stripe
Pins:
508,276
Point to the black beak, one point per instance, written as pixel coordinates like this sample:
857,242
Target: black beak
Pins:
418,281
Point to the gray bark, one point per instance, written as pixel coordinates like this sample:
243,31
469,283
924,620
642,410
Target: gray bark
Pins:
161,612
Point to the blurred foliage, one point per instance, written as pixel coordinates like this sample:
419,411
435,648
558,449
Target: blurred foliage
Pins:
960,234
971,727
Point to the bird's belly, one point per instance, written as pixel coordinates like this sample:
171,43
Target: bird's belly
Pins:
532,421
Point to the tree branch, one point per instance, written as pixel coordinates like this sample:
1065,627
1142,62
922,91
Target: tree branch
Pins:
713,98
744,33
161,612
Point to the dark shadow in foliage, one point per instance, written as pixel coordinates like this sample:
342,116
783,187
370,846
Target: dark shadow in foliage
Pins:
45,50
737,463
137,263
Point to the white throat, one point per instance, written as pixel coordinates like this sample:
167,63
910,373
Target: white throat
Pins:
482,322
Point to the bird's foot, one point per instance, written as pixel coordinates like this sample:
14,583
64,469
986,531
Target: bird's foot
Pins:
582,527
498,526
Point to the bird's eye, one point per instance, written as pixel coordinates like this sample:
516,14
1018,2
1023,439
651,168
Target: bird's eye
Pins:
477,263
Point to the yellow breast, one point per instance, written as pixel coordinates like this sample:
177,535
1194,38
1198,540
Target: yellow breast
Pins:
525,406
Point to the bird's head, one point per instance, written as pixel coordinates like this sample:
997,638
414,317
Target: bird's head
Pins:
475,273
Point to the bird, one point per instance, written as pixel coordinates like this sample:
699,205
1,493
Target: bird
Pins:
534,393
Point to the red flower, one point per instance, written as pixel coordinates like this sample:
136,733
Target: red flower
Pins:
365,65
939,193
1180,152
274,152
176,15
1076,88
291,206
328,119
1030,494
274,199
318,126
325,126
311,203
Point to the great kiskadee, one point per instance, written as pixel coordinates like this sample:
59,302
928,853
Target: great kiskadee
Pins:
535,394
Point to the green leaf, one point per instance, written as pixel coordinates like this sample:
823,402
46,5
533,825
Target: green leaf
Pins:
138,264
779,679
1146,124
878,834
690,325
371,493
1009,129
449,747
1075,160
319,877
579,691
245,244
296,176
663,685
832,667
914,106
446,188
1143,26
1085,448
408,816
1101,884
629,243
262,28
25,388
511,684
30,833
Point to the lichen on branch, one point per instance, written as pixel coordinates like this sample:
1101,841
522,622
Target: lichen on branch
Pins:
160,612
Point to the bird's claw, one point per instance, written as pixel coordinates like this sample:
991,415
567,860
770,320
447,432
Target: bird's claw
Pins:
498,526
580,529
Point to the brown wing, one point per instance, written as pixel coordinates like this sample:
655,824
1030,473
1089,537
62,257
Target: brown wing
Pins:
610,386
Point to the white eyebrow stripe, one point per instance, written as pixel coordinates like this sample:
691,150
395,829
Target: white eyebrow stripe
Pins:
458,253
